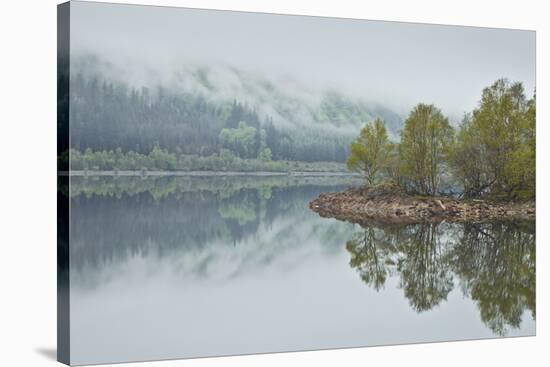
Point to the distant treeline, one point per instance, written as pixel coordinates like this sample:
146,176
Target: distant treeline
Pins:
492,153
106,115
162,160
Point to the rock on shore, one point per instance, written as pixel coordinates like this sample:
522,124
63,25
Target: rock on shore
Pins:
390,204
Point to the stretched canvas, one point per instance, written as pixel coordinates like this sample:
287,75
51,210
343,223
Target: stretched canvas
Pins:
237,183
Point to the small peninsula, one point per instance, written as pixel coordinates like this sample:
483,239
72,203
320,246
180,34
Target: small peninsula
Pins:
488,163
387,204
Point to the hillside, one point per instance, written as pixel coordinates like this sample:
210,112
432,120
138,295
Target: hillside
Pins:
204,110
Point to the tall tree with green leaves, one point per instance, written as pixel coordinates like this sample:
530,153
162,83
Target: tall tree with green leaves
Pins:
426,142
469,162
393,167
369,151
495,152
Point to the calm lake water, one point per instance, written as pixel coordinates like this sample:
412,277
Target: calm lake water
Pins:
189,267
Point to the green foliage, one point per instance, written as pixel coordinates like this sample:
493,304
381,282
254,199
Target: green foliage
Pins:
492,154
417,163
162,160
370,151
468,160
106,115
265,155
241,141
424,149
495,152
393,168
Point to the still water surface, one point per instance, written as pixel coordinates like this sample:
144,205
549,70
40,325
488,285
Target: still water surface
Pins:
188,267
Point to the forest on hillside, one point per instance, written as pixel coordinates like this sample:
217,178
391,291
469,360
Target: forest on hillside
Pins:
107,115
117,125
196,125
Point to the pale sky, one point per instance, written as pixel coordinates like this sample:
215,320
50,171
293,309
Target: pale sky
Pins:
400,64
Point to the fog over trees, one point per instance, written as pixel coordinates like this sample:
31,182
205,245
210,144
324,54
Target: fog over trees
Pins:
154,88
193,116
396,64
196,125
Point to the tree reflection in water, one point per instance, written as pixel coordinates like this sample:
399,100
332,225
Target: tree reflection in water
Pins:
494,263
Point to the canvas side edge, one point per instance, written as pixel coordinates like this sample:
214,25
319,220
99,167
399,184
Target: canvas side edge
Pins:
63,201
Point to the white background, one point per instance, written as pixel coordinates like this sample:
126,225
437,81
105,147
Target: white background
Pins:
28,182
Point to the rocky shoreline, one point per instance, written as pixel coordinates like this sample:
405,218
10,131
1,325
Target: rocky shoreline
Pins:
387,204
